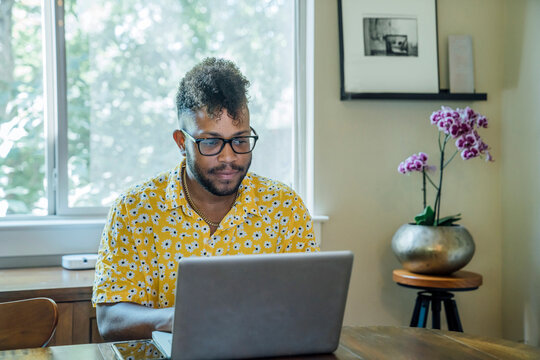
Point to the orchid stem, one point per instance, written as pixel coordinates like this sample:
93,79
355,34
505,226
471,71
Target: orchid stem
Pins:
431,182
451,158
424,185
438,200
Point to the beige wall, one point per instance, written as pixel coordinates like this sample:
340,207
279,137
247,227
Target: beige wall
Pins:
358,145
521,172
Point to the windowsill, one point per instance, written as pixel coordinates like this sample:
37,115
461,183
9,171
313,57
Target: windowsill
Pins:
48,222
43,241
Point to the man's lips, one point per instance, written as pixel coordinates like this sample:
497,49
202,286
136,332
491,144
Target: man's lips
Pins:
226,175
226,172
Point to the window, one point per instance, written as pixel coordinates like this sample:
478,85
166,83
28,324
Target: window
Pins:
22,140
116,66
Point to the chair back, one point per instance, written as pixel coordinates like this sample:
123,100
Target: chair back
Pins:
27,323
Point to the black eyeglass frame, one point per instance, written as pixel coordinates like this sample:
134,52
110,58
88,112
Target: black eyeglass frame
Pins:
224,142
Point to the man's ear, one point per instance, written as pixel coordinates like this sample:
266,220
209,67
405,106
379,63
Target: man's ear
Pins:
180,141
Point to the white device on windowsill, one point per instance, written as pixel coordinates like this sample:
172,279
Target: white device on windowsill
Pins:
79,261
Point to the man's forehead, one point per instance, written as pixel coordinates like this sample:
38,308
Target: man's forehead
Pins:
203,120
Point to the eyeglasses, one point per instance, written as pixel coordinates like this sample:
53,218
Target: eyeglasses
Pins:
213,146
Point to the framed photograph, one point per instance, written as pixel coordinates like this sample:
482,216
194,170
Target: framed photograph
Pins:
388,46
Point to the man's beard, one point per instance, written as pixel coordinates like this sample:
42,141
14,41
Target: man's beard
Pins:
207,182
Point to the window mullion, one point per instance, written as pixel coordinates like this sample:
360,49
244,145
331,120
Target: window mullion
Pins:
50,113
303,126
61,155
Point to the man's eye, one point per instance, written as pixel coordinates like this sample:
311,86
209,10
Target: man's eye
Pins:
240,141
211,142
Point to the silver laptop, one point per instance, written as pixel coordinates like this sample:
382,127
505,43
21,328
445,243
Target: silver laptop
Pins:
249,306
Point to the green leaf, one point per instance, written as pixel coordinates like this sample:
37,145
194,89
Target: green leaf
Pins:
426,217
449,220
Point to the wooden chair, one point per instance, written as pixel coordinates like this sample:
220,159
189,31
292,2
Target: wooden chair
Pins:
27,323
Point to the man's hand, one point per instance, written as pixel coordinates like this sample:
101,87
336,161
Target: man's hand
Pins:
128,321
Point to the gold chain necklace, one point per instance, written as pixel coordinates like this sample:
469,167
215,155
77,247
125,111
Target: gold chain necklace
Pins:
190,202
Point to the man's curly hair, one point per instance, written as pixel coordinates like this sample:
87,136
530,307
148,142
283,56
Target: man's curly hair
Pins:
212,85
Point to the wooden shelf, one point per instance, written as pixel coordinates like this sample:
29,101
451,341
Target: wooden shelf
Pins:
54,282
443,94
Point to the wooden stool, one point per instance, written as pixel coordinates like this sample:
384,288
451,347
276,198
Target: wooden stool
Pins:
436,289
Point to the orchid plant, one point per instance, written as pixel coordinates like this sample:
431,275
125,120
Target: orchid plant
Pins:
460,125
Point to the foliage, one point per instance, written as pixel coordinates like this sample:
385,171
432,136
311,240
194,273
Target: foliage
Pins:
460,125
22,145
123,63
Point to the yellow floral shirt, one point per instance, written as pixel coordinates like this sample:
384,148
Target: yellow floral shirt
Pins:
151,227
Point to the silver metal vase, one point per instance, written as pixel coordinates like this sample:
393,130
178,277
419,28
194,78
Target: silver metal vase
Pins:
436,250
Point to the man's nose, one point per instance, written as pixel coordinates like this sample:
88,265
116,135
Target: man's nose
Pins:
227,154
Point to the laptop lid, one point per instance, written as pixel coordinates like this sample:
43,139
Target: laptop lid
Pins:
247,306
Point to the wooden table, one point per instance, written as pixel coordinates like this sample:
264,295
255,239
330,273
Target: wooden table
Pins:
374,342
436,289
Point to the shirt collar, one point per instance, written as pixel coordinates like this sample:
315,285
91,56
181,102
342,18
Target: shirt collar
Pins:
245,204
174,192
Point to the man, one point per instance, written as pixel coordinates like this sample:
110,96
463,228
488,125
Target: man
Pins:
208,205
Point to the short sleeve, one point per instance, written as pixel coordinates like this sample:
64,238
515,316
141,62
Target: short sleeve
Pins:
118,276
300,236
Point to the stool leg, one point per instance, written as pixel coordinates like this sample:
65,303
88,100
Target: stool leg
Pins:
452,315
424,310
421,308
436,312
416,312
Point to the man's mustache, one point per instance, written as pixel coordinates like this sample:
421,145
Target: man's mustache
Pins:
226,167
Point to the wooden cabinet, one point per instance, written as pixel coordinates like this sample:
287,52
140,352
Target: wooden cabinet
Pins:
76,324
70,289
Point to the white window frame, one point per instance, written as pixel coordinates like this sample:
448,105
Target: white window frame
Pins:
303,162
42,240
58,166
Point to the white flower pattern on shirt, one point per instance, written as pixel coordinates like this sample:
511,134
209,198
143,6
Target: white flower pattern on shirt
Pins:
151,227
